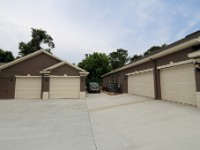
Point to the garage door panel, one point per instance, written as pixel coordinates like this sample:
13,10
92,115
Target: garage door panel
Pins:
141,84
64,87
28,87
178,84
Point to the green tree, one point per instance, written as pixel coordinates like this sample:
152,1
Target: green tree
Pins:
135,57
6,56
118,58
39,37
164,45
96,64
154,48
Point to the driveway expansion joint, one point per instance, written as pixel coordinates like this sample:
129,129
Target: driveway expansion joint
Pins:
92,130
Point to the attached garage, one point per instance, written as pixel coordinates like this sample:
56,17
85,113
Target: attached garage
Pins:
28,87
178,84
141,83
64,87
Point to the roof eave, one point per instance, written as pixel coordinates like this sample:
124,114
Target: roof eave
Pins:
85,73
63,63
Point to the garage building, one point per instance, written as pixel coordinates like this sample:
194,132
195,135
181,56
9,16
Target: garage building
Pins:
41,75
171,73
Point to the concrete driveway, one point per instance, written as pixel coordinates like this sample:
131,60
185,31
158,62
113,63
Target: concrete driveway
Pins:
102,122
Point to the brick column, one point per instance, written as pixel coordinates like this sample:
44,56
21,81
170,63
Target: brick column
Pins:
45,86
156,77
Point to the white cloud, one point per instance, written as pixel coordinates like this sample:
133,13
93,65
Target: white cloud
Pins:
79,27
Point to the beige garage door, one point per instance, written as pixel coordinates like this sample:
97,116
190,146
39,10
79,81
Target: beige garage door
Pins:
64,87
141,84
28,87
178,84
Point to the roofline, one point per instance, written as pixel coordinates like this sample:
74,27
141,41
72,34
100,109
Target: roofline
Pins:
2,63
27,57
63,63
167,51
84,73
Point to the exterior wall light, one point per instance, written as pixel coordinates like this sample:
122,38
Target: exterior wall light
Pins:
197,65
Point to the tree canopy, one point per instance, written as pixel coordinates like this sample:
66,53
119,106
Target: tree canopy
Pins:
135,57
39,37
96,64
154,48
149,51
6,56
118,58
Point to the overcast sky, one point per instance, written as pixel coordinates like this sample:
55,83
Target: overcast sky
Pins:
85,26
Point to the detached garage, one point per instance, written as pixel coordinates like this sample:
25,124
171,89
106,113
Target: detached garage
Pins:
171,73
41,75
